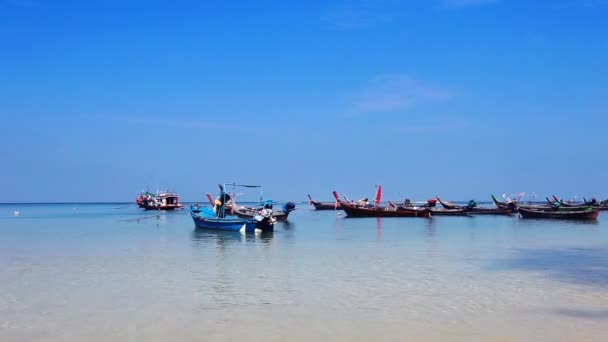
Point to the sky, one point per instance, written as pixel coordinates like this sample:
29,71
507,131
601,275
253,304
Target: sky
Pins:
459,98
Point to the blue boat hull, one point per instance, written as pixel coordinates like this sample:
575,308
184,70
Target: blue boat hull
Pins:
205,219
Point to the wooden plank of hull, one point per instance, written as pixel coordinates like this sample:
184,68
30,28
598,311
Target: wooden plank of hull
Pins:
590,214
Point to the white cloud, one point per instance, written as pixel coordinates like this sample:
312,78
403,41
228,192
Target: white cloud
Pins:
389,93
359,14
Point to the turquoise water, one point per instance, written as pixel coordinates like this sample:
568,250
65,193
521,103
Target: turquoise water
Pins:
74,272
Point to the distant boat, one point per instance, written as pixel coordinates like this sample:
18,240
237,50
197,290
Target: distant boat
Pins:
602,205
472,208
353,210
161,201
431,204
249,212
588,214
324,205
510,204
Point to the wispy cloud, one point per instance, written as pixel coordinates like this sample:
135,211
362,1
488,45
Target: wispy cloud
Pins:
359,14
390,93
466,3
447,126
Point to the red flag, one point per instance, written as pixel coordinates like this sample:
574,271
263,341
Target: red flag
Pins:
378,195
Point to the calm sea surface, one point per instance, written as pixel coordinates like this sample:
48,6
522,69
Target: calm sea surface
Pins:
100,272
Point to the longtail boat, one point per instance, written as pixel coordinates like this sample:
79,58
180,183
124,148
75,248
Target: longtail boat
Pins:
564,203
602,205
430,204
323,205
353,210
588,214
553,207
504,204
250,212
473,210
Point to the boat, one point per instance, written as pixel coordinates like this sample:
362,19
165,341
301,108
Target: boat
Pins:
553,207
217,218
323,205
205,218
588,214
602,205
250,212
161,201
142,197
353,210
564,203
511,204
473,209
431,204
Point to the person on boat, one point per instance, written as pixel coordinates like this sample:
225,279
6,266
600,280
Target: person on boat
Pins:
472,204
363,202
220,204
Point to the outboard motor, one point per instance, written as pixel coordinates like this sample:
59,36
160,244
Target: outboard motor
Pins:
472,204
265,219
289,206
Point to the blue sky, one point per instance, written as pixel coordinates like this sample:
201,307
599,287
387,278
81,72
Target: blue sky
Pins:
461,98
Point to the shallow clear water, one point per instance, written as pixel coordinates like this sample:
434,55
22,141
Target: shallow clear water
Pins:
103,272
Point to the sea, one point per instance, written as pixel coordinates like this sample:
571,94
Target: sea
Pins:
113,272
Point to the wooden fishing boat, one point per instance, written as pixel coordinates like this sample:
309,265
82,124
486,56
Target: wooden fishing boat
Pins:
323,205
589,214
512,205
474,210
448,205
430,204
552,207
162,201
602,205
353,210
564,203
250,212
205,218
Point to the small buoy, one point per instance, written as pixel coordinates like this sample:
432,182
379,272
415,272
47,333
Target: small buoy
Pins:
16,213
339,213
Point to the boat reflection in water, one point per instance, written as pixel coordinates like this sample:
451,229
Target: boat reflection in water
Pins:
224,239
